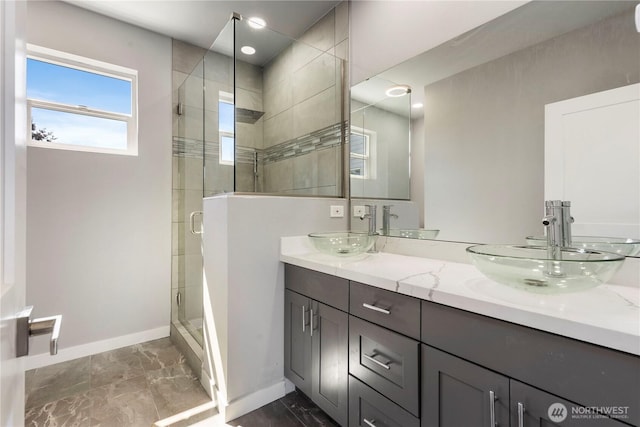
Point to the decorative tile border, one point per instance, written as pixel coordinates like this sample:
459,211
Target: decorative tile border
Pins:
331,136
184,147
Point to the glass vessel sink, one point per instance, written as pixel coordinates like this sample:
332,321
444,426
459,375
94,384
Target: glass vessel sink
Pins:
617,245
414,234
530,268
343,243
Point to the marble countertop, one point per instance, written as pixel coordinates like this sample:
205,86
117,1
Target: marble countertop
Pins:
608,315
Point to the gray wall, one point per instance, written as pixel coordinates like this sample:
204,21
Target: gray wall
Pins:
484,129
302,94
99,225
391,153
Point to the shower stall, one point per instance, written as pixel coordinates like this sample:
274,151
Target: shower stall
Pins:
258,112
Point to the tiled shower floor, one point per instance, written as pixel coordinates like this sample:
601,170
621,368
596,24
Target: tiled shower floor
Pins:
127,387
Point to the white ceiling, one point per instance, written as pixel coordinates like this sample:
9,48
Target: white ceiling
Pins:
200,21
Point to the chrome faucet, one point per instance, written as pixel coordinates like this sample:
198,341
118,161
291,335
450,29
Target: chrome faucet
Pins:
386,219
557,221
371,215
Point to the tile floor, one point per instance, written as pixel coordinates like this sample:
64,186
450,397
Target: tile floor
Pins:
293,410
128,387
138,385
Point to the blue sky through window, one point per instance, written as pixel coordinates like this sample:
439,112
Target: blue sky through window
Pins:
73,87
51,82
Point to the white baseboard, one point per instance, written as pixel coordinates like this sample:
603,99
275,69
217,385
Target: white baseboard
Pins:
75,352
208,384
253,401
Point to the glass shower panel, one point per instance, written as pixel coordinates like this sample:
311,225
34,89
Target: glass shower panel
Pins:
289,116
187,195
288,120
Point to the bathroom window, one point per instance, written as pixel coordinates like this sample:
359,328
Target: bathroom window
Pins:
362,143
77,103
226,125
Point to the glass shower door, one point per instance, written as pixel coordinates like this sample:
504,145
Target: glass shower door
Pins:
188,158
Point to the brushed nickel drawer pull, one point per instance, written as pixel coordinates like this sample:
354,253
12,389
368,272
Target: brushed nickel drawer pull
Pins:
377,362
374,308
492,408
371,423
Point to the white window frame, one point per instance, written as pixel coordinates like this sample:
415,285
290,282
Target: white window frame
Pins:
69,60
227,98
370,153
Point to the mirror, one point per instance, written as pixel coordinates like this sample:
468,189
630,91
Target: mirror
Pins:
379,140
484,96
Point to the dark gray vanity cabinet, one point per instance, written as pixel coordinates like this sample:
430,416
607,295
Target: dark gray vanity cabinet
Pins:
555,369
367,407
457,393
531,407
316,339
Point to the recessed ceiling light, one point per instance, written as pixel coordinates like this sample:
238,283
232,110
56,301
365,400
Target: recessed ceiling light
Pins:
418,105
247,50
257,23
396,91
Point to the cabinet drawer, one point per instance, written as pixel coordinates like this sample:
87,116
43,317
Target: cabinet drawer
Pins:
331,290
398,312
369,408
385,361
584,373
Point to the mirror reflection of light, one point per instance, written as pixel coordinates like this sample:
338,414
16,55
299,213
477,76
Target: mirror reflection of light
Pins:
247,50
397,91
418,105
257,23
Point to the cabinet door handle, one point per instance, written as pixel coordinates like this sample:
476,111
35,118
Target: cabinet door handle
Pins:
492,408
375,308
371,423
311,322
304,323
377,362
520,415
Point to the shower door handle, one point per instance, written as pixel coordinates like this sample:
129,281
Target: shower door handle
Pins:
42,326
192,222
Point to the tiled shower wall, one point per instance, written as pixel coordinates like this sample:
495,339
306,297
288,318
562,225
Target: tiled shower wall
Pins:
303,100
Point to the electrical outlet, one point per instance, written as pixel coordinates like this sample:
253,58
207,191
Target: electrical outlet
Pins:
359,211
337,211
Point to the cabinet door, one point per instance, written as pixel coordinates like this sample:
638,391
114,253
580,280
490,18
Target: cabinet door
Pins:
297,340
531,407
330,345
457,393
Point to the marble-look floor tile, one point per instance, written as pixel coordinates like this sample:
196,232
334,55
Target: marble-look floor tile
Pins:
126,403
159,354
69,411
307,411
114,366
275,414
175,389
57,381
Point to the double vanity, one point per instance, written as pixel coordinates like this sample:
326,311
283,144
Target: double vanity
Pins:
384,339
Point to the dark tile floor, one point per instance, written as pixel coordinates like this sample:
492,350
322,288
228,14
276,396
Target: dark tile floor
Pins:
128,387
293,410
